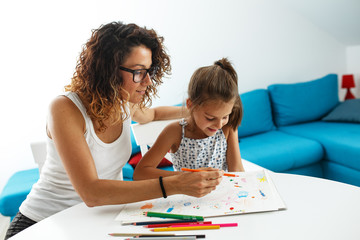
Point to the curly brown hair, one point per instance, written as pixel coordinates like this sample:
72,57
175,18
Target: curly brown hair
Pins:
217,82
97,79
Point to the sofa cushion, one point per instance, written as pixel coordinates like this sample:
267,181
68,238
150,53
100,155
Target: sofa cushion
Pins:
338,172
257,116
279,151
128,172
303,102
16,189
348,111
312,170
339,140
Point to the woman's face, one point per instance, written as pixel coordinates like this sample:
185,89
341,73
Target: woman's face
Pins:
139,58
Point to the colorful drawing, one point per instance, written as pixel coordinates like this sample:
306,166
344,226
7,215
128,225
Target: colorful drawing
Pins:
147,206
170,209
242,194
250,192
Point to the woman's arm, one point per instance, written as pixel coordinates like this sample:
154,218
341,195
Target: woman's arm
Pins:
146,115
66,126
233,152
147,167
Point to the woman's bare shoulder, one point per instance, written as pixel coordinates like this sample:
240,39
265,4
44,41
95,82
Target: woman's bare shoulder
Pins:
62,102
63,109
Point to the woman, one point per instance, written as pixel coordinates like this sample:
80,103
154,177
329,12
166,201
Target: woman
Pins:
89,128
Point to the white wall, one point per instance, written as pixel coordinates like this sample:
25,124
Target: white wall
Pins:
40,41
353,67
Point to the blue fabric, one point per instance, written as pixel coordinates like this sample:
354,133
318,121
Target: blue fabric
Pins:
303,102
279,151
341,141
257,113
16,190
338,172
348,111
313,170
128,172
167,168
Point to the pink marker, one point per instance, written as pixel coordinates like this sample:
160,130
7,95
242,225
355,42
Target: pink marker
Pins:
214,224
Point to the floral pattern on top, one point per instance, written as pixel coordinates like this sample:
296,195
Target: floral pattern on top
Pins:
197,153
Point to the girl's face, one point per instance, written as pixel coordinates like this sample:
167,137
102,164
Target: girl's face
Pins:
139,58
211,116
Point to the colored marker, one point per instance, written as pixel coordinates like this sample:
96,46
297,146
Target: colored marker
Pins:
167,238
140,234
156,222
199,170
215,224
179,223
185,228
175,216
192,235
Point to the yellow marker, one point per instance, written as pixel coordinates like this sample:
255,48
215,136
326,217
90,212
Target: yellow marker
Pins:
185,228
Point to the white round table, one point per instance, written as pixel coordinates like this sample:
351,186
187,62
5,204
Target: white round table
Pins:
316,209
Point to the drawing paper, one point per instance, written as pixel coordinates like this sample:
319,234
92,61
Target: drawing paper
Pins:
248,193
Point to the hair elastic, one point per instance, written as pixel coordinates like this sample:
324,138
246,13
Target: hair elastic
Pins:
220,64
162,187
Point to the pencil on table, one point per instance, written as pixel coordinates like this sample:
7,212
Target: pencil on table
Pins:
175,216
179,223
215,224
185,228
141,234
160,222
176,236
167,238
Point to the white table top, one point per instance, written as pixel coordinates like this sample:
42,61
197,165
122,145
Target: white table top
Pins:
317,209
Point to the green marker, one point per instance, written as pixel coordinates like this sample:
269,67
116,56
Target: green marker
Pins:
175,216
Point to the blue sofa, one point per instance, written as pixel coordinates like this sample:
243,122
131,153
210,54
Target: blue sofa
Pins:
294,128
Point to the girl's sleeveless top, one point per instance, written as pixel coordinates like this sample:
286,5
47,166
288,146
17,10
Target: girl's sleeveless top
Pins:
54,192
197,153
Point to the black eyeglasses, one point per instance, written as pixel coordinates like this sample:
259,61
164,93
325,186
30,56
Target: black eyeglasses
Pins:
140,74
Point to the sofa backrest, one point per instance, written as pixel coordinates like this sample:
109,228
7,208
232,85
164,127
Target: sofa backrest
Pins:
257,116
303,102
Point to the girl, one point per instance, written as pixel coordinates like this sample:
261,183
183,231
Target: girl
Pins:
208,137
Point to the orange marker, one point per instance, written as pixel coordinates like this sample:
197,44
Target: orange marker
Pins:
199,170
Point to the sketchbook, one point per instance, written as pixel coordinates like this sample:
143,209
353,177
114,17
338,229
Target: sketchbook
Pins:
250,192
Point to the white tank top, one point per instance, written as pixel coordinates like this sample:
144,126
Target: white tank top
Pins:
54,192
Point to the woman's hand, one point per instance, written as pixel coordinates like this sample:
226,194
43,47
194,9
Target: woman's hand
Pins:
196,184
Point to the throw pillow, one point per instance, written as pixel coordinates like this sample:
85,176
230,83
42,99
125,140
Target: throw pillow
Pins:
257,116
303,102
137,157
348,111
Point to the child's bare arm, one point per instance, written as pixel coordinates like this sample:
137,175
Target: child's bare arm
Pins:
147,167
233,152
